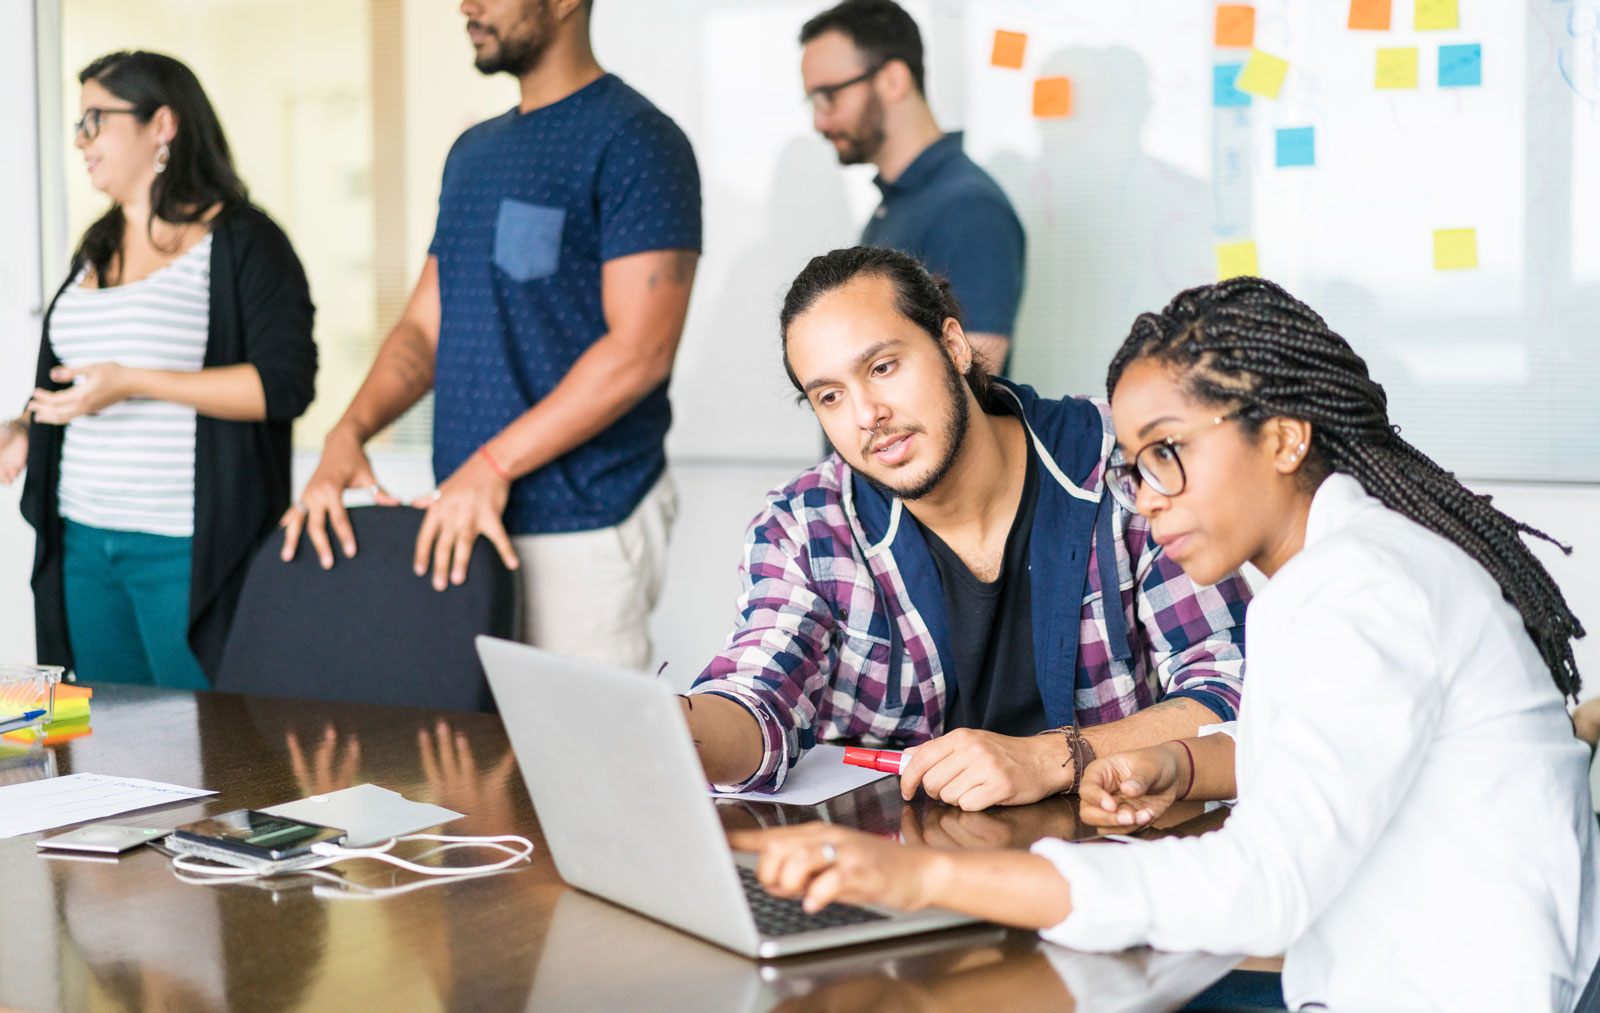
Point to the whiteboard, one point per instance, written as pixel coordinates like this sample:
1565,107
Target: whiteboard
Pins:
1492,370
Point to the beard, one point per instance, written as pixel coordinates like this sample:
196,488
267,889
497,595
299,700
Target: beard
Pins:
521,47
955,434
863,143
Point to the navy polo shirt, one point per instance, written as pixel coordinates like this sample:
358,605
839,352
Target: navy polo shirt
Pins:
532,205
951,215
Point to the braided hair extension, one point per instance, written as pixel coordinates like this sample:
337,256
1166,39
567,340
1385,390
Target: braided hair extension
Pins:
1248,343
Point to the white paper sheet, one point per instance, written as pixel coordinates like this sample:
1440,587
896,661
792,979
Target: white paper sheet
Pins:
80,798
820,775
366,813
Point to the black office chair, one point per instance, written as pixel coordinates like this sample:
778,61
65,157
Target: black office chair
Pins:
368,630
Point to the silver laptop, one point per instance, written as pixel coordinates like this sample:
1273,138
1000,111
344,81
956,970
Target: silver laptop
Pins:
622,802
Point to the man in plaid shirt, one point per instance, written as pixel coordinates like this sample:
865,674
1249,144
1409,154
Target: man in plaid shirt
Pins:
939,580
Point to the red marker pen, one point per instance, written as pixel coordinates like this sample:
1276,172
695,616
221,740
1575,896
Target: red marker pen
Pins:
886,760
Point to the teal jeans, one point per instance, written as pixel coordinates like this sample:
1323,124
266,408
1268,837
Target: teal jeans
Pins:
128,607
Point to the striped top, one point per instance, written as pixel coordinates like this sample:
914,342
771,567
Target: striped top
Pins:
130,467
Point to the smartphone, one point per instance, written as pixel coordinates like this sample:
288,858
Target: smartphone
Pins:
252,835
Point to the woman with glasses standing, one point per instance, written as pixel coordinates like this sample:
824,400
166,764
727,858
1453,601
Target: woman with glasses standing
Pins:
1413,827
174,359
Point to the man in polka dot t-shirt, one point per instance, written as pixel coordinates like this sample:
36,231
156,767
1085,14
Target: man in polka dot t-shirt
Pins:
545,321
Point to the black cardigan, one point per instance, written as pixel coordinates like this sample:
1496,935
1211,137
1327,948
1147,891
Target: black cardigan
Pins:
261,314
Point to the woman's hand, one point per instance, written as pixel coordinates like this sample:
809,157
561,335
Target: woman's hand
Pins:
13,453
95,387
1132,789
827,864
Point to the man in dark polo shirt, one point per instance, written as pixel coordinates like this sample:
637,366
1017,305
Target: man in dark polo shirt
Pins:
545,321
862,68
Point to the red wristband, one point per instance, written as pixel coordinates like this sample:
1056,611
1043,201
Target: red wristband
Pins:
1190,786
494,465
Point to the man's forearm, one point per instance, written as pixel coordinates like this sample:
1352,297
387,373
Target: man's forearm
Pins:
401,375
604,384
726,735
1178,718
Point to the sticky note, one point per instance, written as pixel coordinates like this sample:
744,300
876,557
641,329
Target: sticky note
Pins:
1052,97
1460,66
1455,249
1434,15
1008,49
1262,75
1223,93
1297,146
1234,259
1369,15
1236,25
1397,68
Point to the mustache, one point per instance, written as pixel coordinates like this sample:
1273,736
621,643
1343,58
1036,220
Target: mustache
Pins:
885,438
480,26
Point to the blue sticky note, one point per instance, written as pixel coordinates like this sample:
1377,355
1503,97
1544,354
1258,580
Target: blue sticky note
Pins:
1461,66
1297,146
1223,93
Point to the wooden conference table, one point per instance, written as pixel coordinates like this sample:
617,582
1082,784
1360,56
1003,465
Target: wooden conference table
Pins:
127,934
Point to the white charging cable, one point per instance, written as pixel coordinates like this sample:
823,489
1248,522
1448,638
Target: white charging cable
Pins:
331,853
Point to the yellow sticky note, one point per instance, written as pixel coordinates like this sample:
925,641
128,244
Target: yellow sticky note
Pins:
1433,15
1008,49
1052,97
1234,259
1455,249
1397,68
1262,75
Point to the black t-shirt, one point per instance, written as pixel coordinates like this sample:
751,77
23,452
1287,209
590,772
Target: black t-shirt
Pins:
991,632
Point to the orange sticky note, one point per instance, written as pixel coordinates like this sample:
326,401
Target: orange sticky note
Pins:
1008,48
1052,97
1236,25
1234,259
1433,15
1397,68
1455,249
1369,15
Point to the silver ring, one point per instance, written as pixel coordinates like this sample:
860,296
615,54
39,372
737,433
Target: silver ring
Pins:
374,489
435,495
830,854
300,505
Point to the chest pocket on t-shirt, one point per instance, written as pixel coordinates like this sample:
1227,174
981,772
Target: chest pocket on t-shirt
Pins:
527,239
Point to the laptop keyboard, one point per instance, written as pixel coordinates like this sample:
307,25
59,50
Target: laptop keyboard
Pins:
782,916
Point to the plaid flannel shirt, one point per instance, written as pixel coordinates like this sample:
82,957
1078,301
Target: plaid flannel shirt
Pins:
841,617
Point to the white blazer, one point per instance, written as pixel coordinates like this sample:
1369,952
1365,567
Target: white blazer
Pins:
1414,827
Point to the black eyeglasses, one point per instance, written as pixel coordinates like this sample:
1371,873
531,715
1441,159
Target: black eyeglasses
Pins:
821,97
88,128
1157,463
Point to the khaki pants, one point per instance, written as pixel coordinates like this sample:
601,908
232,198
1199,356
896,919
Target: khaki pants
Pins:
589,594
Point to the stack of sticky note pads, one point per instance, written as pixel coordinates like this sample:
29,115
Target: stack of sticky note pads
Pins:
68,720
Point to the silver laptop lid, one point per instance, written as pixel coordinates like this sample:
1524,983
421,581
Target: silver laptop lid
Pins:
619,790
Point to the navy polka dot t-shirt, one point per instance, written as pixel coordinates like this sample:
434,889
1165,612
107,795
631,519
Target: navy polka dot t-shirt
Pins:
531,206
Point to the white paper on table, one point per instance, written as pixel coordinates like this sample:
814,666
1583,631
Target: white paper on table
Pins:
366,813
33,806
820,775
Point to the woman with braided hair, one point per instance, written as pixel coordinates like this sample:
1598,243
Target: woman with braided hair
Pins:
1413,827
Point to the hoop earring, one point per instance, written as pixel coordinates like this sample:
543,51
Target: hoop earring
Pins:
163,156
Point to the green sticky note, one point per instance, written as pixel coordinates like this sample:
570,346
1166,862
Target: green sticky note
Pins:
1234,259
1262,75
1397,68
1455,249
